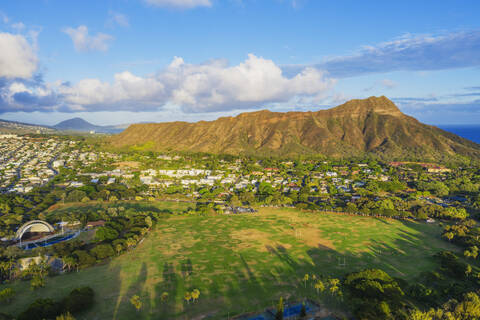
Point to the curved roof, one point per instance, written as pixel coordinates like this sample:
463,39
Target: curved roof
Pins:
35,226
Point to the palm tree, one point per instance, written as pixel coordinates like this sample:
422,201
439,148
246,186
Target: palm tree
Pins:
119,248
280,308
303,311
334,282
449,236
136,302
68,262
188,296
164,296
130,242
76,264
334,286
195,294
66,316
305,279
319,286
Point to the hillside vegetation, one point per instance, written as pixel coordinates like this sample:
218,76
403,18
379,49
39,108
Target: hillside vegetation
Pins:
374,125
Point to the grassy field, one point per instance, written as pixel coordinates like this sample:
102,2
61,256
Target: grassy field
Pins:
242,263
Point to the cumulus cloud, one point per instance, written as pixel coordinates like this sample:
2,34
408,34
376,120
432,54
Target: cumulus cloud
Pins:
184,4
209,87
17,56
410,52
84,42
196,88
27,95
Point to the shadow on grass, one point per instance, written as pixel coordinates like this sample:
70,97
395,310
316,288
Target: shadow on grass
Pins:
249,280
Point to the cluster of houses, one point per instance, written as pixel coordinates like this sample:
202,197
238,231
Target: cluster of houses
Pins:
26,162
343,178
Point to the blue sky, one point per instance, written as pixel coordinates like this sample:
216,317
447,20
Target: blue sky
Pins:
125,61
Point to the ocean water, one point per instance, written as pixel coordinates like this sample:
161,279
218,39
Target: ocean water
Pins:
470,132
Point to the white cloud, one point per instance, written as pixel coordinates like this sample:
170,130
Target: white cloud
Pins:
84,42
209,87
116,18
17,56
185,4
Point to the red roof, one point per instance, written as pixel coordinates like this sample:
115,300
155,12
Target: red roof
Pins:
99,223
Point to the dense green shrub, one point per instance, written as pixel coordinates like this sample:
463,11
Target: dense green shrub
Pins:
102,251
78,300
41,309
83,258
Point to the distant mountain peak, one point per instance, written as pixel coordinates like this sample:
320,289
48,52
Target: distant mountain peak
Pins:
75,124
79,124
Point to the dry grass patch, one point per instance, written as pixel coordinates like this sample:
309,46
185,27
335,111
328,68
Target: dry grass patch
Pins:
312,238
253,238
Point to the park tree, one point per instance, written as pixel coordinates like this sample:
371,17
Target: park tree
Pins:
102,251
319,286
65,316
83,258
118,248
136,302
148,221
41,309
235,201
303,311
164,296
305,279
468,270
195,294
449,235
79,299
6,295
106,234
334,286
68,262
471,252
187,297
75,196
351,207
131,242
37,282
280,308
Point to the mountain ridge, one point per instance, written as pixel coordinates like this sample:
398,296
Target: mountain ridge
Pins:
8,126
373,125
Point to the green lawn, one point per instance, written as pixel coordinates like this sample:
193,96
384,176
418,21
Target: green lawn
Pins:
242,263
